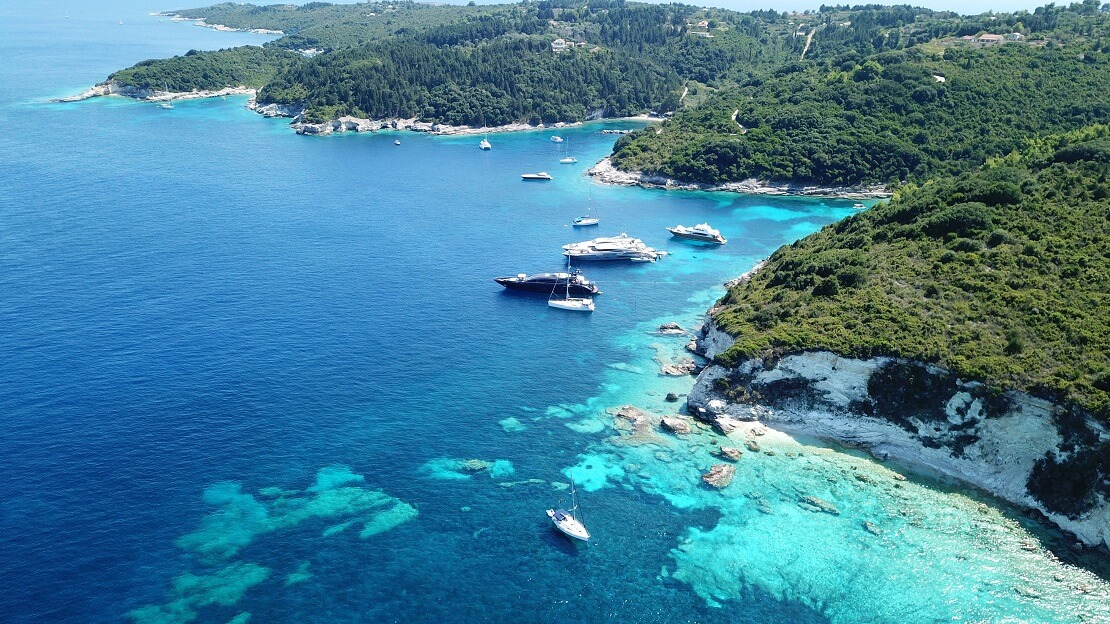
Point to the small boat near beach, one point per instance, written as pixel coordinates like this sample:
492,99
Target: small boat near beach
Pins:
165,105
556,139
567,522
484,144
541,175
859,206
701,232
397,142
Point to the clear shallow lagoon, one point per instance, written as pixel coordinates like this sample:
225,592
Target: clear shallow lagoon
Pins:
239,370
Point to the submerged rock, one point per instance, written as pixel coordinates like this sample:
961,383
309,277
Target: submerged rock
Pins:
684,366
719,476
730,453
475,465
872,528
752,445
671,397
675,425
631,413
813,503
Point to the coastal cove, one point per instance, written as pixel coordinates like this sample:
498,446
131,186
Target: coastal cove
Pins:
251,375
603,171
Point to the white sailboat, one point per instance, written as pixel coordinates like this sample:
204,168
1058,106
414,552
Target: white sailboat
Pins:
588,218
485,145
567,522
567,159
564,301
166,90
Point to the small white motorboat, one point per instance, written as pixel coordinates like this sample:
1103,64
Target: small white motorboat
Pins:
541,175
556,139
397,142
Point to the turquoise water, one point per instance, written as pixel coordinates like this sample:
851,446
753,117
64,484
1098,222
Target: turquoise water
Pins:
243,372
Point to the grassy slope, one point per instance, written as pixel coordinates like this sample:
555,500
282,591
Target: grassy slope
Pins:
1001,275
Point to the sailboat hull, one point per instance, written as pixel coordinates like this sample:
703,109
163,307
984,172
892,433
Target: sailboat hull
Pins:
574,304
568,525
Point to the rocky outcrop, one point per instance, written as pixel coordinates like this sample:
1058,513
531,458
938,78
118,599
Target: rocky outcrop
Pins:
671,329
719,476
277,110
680,367
606,173
1021,448
675,425
730,453
111,87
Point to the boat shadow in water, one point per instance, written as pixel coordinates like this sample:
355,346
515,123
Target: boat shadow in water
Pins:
559,542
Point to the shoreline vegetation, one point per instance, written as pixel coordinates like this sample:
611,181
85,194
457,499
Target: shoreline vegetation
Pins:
199,21
604,172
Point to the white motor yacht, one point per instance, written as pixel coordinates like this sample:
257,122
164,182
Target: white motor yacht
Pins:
700,232
622,247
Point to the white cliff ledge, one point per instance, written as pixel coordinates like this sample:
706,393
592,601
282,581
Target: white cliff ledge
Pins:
606,173
199,21
953,428
152,95
359,124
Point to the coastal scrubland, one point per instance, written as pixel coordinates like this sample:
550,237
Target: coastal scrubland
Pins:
1000,275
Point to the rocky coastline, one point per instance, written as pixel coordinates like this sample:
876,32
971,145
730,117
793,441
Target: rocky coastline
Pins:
112,87
359,124
1037,455
605,173
199,21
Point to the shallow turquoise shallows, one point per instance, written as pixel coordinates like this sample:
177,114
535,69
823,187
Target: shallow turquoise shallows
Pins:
243,374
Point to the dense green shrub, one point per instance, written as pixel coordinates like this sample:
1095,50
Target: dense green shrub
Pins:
1014,295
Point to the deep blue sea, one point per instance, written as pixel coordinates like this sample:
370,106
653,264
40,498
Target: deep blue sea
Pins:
242,374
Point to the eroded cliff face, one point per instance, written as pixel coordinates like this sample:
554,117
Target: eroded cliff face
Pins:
1023,449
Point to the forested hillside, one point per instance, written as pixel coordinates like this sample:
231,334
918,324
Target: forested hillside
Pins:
501,63
905,114
1000,275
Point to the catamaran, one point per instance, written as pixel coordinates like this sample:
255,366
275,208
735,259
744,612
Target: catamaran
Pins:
484,144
